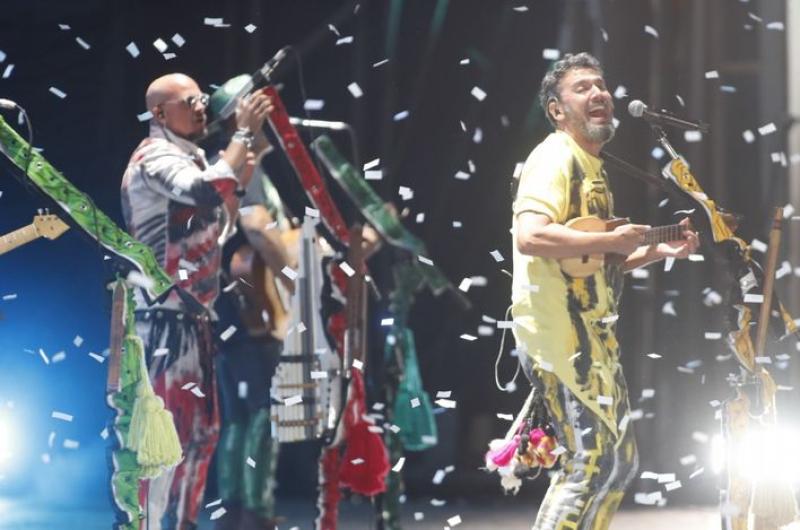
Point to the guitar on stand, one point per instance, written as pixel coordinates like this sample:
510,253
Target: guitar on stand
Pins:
45,225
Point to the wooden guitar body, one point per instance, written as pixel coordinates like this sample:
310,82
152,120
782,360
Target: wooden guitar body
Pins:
588,264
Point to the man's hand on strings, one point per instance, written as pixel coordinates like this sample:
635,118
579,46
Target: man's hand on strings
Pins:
682,248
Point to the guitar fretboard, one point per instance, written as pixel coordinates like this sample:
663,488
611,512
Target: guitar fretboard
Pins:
663,234
17,238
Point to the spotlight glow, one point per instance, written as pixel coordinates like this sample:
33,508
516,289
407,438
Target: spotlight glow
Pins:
763,453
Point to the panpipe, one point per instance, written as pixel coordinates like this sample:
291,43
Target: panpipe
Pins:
307,385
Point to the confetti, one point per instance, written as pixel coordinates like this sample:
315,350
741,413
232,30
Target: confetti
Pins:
43,356
414,403
8,297
289,273
228,333
507,417
767,129
61,416
692,136
750,298
250,28
315,375
650,30
468,337
425,260
293,400
61,94
219,512
373,174
346,268
83,44
654,355
358,364
712,74
380,63
387,321
496,255
71,444
462,175
355,90
7,71
144,116
551,54
454,521
621,92
446,403
160,45
178,40
399,465
605,400
478,93
465,284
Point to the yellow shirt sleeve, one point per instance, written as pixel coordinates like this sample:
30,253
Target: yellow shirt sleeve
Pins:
543,188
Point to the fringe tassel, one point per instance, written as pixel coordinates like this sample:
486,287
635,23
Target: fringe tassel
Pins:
152,433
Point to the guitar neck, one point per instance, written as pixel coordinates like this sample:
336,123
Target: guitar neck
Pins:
663,234
17,238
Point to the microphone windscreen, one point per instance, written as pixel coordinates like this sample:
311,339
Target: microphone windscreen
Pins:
636,108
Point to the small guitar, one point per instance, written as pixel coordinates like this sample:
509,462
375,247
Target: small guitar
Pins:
47,226
588,264
266,304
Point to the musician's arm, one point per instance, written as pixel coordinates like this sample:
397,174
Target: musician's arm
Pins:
267,241
537,235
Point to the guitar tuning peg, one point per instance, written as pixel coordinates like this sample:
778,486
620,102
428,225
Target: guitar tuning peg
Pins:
39,211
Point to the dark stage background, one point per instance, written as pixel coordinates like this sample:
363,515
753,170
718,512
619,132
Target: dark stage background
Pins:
90,133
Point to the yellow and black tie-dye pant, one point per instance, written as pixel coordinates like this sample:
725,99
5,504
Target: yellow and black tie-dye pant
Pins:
586,492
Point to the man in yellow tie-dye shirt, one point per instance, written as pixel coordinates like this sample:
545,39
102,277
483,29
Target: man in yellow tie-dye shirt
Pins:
566,325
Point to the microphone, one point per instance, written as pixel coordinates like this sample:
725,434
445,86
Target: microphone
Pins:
319,124
638,109
7,104
262,74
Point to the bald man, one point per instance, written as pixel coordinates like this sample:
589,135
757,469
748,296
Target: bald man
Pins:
175,202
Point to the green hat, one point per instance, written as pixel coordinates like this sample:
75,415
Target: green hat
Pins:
223,94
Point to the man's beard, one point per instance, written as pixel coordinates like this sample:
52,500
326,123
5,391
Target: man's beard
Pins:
599,133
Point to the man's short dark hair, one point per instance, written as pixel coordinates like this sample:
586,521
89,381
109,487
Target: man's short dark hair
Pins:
549,90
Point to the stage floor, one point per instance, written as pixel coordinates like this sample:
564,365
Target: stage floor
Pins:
18,515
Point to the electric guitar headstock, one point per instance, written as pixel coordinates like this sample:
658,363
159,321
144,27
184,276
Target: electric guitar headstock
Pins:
49,226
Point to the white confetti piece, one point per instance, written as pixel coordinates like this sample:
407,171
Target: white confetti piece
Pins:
210,21
621,92
496,255
457,224
763,360
387,321
160,45
63,416
712,335
57,92
668,263
464,62
650,30
405,192
446,403
380,63
71,444
605,400
183,274
468,337
228,333
250,28
712,74
688,460
696,472
64,27
775,26
559,450
347,269
197,392
648,393
355,90
465,284
219,512
748,136
293,400
160,351
750,298
289,273
399,465
7,71
104,433
425,260
767,129
640,274
414,403
728,89
178,40
609,319
77,341
506,417
144,116
692,136
344,40
372,164
654,355
44,356
2,56
373,174
316,375
132,49
83,44
313,104
551,54
758,245
358,364
673,485
8,297
454,521
250,462
478,93
58,357
462,175
187,386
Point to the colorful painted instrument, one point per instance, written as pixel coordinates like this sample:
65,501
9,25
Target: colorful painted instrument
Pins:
307,383
82,210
